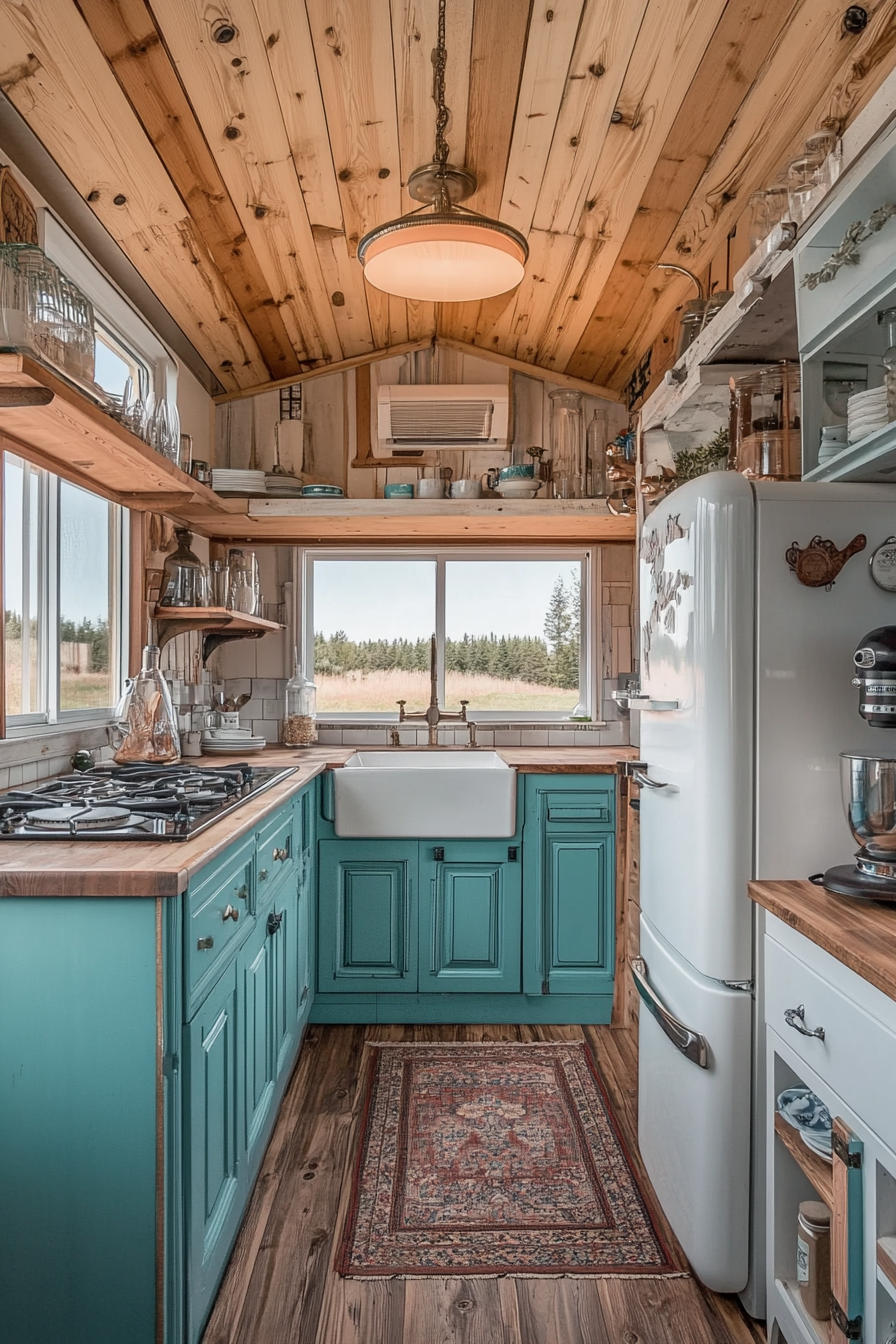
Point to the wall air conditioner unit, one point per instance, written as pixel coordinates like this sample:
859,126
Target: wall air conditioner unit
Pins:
417,416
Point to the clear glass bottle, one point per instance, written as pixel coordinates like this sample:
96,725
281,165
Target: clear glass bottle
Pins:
889,317
595,438
299,723
568,444
184,577
149,727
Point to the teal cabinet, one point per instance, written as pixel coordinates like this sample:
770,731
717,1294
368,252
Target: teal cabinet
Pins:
212,1148
367,917
569,847
145,1045
470,918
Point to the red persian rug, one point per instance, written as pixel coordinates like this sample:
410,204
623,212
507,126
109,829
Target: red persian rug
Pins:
494,1159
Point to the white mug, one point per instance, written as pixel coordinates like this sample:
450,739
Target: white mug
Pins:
430,488
467,488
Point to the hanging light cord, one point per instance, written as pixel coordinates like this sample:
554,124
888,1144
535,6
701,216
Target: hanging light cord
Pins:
440,60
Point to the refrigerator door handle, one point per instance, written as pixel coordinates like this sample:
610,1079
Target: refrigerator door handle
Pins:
691,1044
642,778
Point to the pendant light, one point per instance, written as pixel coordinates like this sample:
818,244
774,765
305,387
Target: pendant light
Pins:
445,254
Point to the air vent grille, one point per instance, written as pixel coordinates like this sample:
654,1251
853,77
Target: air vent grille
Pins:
442,421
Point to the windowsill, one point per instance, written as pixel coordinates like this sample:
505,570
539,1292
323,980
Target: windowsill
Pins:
32,741
528,725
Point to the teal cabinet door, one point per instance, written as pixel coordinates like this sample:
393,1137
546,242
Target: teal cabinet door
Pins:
470,918
211,1159
367,918
280,929
257,1044
578,910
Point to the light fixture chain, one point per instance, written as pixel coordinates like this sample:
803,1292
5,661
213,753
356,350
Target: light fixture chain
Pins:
439,59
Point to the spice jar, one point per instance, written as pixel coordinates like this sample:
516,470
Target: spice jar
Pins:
813,1258
299,724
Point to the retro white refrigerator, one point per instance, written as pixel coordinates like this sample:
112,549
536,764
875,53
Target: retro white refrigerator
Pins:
748,674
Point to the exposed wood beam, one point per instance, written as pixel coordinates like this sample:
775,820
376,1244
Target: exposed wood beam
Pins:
814,69
732,61
290,55
531,370
326,370
233,97
126,34
55,75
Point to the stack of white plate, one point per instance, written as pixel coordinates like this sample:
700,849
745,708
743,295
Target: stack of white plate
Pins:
282,486
226,744
807,1114
866,413
231,481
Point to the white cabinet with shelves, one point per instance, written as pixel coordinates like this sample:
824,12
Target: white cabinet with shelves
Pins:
852,1068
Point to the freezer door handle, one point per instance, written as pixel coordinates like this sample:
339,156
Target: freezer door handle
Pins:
691,1044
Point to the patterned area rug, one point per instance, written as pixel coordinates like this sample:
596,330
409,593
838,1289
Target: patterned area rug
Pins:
494,1159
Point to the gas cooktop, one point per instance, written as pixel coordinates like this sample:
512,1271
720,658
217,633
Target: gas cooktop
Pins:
132,802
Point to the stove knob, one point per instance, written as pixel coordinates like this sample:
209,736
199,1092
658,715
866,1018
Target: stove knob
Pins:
231,913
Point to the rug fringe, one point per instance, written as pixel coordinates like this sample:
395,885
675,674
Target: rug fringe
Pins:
470,1045
677,1274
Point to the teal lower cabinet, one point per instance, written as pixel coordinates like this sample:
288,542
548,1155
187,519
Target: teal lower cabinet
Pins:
518,930
145,1045
470,918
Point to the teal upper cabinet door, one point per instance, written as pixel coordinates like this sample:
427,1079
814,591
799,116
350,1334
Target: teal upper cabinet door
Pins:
367,921
470,918
579,914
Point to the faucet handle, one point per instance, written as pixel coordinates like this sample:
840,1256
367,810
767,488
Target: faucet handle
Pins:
463,709
401,705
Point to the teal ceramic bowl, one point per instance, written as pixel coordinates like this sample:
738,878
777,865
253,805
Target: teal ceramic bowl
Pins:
322,491
398,492
520,471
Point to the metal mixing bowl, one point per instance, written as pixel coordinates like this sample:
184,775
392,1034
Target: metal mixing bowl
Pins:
868,788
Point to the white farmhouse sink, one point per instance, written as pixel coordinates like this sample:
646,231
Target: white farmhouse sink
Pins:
445,795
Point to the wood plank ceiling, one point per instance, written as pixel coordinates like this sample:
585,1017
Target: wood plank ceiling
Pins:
238,176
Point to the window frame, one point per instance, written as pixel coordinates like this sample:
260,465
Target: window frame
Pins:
590,688
53,718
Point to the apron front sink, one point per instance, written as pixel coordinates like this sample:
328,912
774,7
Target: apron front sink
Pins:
444,795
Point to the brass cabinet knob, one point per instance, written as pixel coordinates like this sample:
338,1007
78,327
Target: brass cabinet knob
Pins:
204,944
263,875
231,912
242,892
281,855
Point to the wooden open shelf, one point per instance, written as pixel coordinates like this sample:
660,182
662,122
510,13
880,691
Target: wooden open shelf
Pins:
886,1259
72,436
817,1171
218,624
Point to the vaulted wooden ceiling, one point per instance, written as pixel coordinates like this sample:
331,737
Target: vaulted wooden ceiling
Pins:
239,176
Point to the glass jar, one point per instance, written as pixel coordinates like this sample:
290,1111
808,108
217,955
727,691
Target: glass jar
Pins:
595,439
888,316
148,726
184,576
299,723
243,568
767,208
813,1258
568,444
765,423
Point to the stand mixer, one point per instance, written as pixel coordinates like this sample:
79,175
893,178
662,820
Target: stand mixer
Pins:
868,782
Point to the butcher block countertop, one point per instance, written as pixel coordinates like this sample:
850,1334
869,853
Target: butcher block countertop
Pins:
860,934
142,868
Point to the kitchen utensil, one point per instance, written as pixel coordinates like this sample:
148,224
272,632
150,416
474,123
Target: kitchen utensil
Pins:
242,700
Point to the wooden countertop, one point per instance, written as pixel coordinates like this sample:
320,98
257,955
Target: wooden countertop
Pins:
860,934
142,868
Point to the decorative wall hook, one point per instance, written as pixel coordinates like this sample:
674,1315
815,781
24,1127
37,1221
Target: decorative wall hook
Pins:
818,564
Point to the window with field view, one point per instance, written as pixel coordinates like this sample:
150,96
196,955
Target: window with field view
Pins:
62,597
509,632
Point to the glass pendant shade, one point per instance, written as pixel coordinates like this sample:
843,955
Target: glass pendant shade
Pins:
443,258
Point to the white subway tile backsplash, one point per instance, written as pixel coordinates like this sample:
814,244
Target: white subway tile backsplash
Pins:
13,777
272,709
266,728
29,772
507,737
264,687
330,737
234,686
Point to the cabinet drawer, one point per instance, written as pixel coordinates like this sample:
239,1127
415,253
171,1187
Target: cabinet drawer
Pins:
278,852
589,809
857,1057
219,907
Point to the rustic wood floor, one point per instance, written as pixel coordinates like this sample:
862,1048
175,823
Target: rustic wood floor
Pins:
280,1287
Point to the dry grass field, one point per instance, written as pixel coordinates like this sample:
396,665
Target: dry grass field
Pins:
77,690
378,691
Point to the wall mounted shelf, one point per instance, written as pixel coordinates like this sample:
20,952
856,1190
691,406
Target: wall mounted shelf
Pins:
219,625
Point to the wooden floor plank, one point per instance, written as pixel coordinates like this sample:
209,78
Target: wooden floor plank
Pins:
281,1288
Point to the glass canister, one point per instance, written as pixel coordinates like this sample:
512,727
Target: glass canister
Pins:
813,1258
149,724
243,567
596,443
888,316
568,444
299,722
765,423
184,576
